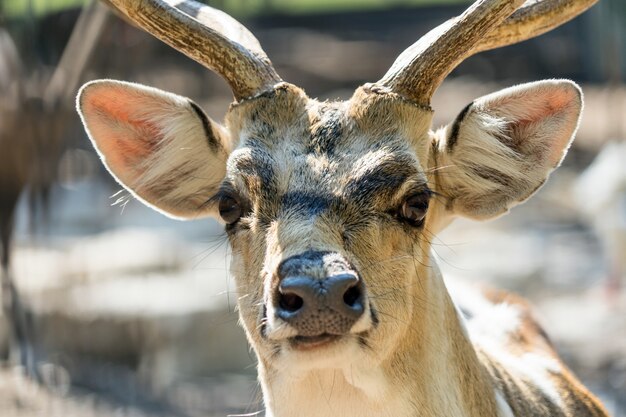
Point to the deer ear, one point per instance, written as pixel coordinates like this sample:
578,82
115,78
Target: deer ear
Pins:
158,145
502,147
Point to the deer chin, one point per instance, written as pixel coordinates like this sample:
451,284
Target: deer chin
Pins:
301,354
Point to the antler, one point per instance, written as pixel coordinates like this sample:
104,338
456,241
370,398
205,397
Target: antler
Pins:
534,18
487,24
209,36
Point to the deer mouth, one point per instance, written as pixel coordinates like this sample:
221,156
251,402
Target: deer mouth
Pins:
313,342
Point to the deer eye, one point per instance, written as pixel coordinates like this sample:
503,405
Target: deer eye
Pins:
230,209
414,208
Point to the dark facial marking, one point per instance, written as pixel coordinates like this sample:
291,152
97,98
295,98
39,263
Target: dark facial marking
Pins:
375,318
311,204
382,180
214,143
257,169
363,342
170,182
456,126
492,175
325,132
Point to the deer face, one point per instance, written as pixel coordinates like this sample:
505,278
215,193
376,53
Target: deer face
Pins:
325,208
325,204
330,207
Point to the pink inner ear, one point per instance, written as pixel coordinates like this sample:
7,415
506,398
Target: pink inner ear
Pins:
122,135
548,113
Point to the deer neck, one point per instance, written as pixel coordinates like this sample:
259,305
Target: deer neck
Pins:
433,371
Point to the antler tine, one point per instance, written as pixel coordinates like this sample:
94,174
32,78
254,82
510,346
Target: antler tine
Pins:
533,19
487,24
211,37
421,68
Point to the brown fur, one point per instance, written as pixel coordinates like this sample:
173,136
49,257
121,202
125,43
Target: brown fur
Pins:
530,337
329,176
368,182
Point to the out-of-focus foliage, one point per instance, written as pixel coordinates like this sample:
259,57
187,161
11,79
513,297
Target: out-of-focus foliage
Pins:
20,8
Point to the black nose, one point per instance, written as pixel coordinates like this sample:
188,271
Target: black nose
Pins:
316,306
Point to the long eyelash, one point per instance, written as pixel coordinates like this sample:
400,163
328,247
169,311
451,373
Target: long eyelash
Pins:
212,200
225,190
423,189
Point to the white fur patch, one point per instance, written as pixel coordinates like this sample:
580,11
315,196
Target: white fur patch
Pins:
532,367
490,326
487,320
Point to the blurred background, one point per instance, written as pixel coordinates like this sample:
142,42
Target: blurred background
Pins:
124,312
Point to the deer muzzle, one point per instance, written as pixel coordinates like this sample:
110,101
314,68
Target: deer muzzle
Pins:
319,294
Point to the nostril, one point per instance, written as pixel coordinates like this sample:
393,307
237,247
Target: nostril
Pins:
352,296
290,302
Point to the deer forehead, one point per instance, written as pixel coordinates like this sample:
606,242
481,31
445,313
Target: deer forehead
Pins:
369,146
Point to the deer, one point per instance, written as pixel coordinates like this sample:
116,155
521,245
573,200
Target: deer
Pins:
330,209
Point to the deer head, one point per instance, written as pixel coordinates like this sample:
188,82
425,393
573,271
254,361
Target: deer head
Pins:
330,207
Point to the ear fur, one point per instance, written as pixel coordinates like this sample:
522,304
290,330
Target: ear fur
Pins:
158,145
502,147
